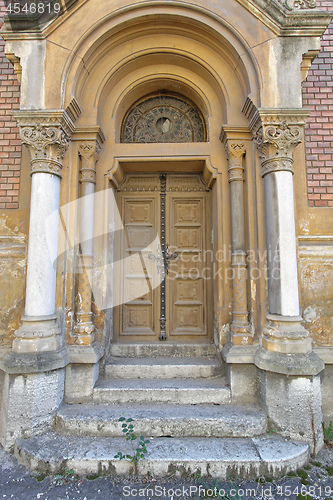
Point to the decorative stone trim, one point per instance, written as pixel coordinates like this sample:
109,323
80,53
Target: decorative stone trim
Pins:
235,151
299,4
47,135
276,134
274,165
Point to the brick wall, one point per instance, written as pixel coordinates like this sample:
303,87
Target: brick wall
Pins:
10,144
318,95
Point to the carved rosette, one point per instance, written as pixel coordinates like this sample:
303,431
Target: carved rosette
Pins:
235,151
47,136
276,138
89,152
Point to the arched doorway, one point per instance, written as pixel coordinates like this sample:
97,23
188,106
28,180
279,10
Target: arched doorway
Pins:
164,254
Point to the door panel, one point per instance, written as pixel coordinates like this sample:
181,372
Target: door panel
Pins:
188,234
187,295
137,317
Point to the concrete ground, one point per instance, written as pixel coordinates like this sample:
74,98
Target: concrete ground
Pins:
314,481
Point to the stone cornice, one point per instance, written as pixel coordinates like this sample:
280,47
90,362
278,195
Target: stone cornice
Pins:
283,17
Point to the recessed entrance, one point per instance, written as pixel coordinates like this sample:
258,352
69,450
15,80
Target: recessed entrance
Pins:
164,259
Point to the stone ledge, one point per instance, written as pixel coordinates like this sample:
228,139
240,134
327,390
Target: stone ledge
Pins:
239,354
35,362
325,353
90,354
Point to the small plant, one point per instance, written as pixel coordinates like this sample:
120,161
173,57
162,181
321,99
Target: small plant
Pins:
140,451
328,432
66,476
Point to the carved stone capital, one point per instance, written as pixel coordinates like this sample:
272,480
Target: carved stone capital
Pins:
89,152
276,134
47,135
235,151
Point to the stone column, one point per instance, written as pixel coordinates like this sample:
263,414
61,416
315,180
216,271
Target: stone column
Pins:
35,366
239,352
290,384
84,328
85,352
241,333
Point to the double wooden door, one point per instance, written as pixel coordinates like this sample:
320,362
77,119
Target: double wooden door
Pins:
166,237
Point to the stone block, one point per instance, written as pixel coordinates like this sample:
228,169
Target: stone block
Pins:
79,382
243,381
28,404
293,406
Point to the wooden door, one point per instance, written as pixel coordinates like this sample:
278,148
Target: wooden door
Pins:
188,291
188,283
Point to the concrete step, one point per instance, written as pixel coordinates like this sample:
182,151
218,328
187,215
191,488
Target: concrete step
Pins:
163,367
162,349
178,391
162,420
217,457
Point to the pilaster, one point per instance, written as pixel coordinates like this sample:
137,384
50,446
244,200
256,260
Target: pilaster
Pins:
241,329
89,146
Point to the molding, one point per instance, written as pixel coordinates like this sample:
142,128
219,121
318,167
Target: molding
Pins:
154,164
35,362
232,354
89,354
325,353
282,17
12,247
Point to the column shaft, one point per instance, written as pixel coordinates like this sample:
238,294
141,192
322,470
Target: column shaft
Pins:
240,327
84,328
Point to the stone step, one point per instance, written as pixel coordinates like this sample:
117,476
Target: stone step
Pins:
160,420
163,367
178,391
159,349
224,458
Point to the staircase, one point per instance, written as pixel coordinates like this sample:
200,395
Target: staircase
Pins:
177,396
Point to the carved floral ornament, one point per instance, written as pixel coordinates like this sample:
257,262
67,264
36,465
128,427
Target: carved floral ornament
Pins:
276,139
47,139
299,4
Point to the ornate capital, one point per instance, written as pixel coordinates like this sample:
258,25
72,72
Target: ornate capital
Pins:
89,152
276,135
235,151
47,134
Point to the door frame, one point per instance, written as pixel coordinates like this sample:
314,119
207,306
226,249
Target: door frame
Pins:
173,164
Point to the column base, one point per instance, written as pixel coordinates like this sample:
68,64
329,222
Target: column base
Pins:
285,334
289,364
241,333
38,334
82,373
